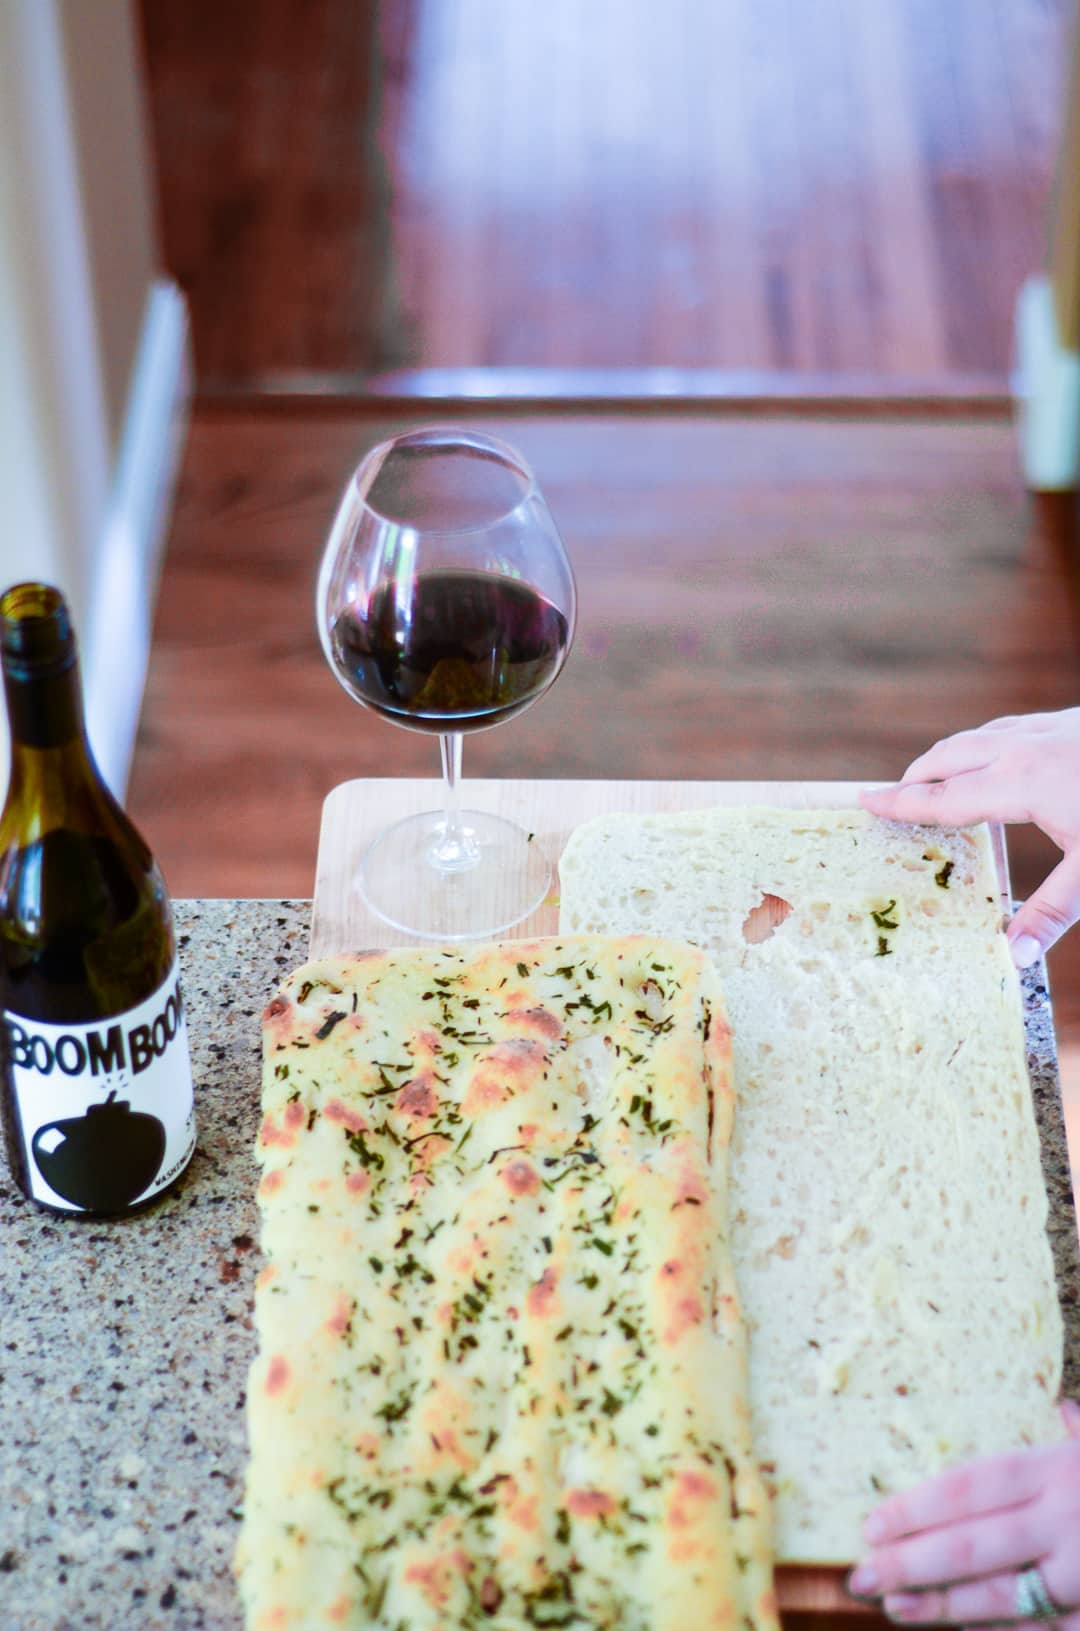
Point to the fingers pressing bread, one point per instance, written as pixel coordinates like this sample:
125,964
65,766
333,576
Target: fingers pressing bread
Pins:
1016,768
965,797
969,750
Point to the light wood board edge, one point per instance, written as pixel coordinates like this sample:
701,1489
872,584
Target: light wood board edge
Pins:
354,812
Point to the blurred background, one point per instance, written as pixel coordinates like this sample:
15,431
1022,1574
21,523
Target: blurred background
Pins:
822,186
739,277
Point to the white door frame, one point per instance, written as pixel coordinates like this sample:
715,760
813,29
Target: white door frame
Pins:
95,371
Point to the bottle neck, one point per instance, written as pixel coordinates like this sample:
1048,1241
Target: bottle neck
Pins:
45,709
52,780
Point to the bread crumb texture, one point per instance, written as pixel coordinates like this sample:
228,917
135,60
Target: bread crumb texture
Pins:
502,1368
888,1212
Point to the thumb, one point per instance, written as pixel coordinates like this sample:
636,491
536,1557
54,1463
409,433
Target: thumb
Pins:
1045,915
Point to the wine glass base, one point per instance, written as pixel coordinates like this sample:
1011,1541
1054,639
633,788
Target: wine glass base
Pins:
402,884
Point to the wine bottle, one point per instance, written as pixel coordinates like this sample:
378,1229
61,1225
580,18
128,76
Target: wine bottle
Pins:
95,1073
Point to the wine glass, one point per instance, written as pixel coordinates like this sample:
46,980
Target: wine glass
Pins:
446,603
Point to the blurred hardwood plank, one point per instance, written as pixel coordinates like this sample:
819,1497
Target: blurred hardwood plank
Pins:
271,185
1065,229
356,185
736,308
1028,35
909,307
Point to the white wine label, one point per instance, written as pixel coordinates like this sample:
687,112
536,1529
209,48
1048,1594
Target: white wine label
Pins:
105,1111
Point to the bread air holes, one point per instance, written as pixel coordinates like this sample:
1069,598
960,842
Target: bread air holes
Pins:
763,920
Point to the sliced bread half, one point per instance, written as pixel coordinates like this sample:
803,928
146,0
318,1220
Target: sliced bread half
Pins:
888,1210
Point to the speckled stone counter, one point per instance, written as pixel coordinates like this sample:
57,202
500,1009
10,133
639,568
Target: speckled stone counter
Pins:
124,1347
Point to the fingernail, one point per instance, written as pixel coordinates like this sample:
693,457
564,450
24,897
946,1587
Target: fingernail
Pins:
1070,1413
874,1529
863,1581
901,1606
1025,949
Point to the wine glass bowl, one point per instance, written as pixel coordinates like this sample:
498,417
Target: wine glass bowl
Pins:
446,604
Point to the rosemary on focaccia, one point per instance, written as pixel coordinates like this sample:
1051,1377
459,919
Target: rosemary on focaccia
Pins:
502,1374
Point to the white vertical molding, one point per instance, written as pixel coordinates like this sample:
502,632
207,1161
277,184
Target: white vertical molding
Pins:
116,648
55,458
94,358
1046,389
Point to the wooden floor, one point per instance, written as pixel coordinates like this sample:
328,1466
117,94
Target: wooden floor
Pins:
812,185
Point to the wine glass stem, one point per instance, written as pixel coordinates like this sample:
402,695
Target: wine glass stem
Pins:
455,849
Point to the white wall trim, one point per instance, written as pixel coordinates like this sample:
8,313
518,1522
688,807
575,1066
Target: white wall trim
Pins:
116,646
1047,392
55,433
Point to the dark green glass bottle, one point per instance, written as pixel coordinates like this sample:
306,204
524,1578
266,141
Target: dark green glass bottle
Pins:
95,1089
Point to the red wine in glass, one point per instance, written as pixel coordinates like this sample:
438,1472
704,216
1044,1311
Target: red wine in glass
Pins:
446,604
461,651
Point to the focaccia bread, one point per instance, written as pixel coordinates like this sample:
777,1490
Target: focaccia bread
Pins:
887,1203
501,1378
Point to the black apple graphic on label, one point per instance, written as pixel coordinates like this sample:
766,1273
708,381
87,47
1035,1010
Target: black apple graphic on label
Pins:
103,1159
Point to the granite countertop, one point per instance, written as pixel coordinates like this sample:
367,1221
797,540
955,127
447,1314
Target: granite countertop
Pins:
124,1347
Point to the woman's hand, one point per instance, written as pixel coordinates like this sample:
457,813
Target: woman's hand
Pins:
950,1550
1023,768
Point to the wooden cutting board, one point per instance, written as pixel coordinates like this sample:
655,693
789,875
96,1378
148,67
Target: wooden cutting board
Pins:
357,811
